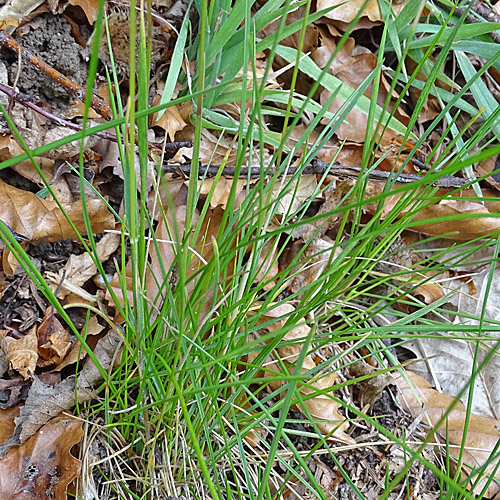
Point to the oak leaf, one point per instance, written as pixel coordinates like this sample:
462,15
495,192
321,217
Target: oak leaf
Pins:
43,466
481,435
42,220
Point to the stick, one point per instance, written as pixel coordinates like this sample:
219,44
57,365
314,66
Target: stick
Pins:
482,9
320,167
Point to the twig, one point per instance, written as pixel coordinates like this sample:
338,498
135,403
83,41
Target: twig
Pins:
25,101
97,102
321,167
480,8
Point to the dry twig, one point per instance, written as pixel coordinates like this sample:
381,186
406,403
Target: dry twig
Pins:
321,167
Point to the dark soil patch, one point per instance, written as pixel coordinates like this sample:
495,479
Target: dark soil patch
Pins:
49,38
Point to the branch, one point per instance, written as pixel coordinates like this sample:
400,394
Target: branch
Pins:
318,167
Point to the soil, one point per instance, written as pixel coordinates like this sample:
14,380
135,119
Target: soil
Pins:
49,37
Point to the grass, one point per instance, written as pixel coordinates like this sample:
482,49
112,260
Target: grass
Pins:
194,408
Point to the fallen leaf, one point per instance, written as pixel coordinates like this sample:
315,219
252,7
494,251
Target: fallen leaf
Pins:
463,229
22,354
371,388
42,220
221,191
45,401
16,389
53,340
293,193
77,352
321,407
43,466
80,268
7,424
481,435
175,119
347,11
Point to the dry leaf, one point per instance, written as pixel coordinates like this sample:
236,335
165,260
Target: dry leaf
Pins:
221,190
42,220
16,10
174,119
7,424
43,466
22,354
80,268
77,352
315,258
371,388
482,433
347,11
89,7
463,229
45,401
322,408
297,192
352,67
53,340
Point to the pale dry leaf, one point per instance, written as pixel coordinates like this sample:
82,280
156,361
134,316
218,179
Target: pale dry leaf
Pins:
293,194
17,9
346,11
449,360
321,407
481,435
43,466
22,354
267,265
80,268
221,190
115,285
315,258
15,389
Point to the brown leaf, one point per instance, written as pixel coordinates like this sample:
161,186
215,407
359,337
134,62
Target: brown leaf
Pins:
321,407
7,424
22,354
347,11
42,220
371,388
481,434
43,466
221,191
53,340
352,67
77,352
46,401
175,119
463,229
